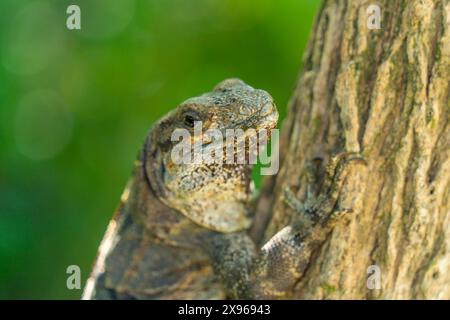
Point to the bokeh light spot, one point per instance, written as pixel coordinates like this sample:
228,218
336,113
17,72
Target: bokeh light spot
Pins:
35,40
43,125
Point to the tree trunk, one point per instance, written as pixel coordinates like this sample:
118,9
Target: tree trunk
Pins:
386,94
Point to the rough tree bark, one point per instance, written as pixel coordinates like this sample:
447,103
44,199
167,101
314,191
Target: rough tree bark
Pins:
386,94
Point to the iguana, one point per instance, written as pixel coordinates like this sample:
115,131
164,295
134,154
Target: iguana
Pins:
180,231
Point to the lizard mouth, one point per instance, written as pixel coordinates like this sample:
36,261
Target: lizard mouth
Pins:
265,119
268,117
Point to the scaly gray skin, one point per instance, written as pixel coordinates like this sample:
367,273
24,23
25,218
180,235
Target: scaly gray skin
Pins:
180,231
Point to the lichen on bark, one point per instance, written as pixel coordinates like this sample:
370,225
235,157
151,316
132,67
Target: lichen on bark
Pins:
386,94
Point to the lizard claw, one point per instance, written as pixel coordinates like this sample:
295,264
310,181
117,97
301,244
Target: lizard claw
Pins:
304,216
337,171
292,201
324,207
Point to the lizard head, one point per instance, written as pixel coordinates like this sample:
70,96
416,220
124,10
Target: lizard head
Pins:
213,193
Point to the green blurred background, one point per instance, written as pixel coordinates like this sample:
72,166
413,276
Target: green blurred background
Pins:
75,106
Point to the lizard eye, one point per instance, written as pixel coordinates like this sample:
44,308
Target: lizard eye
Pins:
189,119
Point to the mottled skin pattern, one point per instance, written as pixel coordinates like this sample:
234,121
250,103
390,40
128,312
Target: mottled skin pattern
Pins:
180,231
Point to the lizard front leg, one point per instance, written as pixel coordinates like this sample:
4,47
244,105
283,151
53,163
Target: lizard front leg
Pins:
273,271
